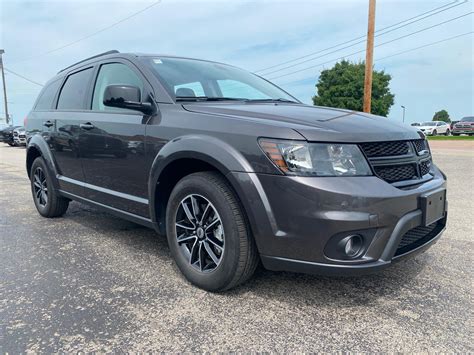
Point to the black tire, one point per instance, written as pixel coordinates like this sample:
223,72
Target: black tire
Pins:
455,134
52,205
435,133
238,252
447,132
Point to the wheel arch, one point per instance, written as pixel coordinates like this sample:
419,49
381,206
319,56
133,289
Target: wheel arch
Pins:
183,156
38,147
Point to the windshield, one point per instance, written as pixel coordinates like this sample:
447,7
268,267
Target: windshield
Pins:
428,124
468,119
192,80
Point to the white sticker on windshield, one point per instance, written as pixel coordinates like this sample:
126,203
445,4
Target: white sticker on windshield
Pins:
157,61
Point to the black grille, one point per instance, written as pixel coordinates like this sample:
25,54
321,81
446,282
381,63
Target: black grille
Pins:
420,145
418,236
385,149
396,173
425,167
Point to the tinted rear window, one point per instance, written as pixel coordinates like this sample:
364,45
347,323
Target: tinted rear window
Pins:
74,90
45,100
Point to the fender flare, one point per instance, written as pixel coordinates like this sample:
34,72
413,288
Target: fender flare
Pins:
211,150
39,143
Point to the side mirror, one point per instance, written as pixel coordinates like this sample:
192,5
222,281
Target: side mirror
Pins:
126,96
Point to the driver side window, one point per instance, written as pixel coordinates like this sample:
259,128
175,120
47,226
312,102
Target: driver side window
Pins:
113,74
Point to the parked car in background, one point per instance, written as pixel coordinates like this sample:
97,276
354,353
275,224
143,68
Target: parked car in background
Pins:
465,126
19,136
415,124
6,135
433,128
232,169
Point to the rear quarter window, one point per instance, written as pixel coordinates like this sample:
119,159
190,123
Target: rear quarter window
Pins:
47,95
72,96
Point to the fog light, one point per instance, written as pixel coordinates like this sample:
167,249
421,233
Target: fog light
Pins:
353,245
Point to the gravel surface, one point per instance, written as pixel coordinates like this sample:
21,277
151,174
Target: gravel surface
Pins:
92,282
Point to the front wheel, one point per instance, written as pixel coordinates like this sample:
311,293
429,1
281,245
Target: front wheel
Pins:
208,233
46,198
435,133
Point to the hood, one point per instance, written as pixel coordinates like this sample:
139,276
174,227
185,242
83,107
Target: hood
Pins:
314,123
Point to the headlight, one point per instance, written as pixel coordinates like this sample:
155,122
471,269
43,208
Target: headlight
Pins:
316,159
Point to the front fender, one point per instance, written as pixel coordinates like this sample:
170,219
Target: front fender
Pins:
211,150
38,143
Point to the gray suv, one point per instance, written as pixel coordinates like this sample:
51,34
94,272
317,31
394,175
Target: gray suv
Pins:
232,169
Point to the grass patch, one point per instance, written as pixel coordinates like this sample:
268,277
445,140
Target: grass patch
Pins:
451,138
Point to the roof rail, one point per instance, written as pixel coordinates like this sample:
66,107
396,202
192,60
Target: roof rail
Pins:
85,60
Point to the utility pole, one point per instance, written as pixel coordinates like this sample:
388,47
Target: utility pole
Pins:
403,107
369,58
7,117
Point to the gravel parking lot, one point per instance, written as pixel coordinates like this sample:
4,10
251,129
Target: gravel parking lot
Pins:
92,282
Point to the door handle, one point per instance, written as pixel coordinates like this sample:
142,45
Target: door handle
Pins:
86,126
48,124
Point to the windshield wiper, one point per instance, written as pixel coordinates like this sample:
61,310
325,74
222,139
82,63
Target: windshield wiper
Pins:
208,98
272,100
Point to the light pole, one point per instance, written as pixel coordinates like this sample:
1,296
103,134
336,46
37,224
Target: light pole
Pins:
7,118
403,107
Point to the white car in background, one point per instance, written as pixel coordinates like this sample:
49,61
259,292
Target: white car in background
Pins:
19,136
433,128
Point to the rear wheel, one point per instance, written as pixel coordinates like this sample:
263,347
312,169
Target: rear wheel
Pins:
47,200
208,233
447,132
456,134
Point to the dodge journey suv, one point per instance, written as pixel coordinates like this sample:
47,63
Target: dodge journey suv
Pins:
232,169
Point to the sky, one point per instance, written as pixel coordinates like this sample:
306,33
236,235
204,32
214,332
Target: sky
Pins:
251,35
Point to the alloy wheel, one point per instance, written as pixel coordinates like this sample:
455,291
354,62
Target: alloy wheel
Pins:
40,187
199,233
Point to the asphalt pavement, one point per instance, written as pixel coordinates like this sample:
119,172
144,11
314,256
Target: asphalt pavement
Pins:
91,282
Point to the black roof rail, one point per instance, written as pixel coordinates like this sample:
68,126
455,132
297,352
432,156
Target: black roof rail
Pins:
85,60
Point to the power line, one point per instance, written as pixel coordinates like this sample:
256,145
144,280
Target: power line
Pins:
428,13
406,51
378,45
425,45
23,77
92,34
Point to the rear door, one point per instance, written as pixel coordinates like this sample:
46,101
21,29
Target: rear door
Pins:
66,132
113,145
40,119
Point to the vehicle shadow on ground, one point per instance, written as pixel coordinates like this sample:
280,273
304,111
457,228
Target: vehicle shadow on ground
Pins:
281,286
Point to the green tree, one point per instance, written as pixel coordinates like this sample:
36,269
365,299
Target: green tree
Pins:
442,115
342,86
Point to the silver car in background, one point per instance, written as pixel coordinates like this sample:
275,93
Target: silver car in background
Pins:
19,136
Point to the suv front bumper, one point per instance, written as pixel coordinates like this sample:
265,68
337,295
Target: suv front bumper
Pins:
296,219
19,140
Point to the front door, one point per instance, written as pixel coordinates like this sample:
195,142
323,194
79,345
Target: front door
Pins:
112,145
